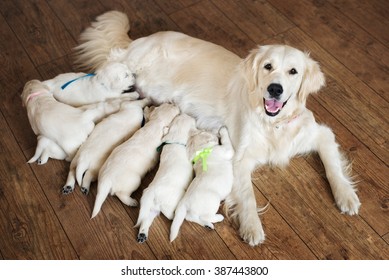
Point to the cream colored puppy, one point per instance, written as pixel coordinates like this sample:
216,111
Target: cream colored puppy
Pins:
122,172
111,80
174,174
57,125
212,184
108,134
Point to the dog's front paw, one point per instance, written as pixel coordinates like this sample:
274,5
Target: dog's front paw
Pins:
67,190
348,202
252,232
141,238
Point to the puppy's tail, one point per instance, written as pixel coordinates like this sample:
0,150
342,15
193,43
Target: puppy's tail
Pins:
179,217
103,189
107,32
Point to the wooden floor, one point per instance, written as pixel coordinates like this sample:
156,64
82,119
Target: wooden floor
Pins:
349,38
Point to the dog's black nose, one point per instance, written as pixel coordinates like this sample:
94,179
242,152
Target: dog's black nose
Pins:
275,90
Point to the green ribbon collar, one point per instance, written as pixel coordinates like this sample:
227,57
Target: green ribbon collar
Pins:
203,155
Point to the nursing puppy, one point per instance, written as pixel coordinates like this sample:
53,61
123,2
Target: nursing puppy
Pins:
106,135
122,172
212,183
111,80
174,174
261,99
59,127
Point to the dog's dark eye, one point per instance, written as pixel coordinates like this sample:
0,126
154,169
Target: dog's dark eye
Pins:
268,66
293,71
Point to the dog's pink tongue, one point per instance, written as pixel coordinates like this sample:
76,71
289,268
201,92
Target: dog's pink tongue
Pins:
273,105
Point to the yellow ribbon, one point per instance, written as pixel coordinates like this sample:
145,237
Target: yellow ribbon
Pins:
203,155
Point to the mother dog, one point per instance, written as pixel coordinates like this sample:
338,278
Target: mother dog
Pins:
261,99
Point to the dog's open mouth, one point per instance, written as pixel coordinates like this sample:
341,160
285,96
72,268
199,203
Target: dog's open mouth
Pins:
131,88
273,107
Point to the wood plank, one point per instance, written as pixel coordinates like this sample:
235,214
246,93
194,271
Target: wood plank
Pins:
310,211
170,7
79,14
372,176
16,69
207,22
386,238
351,101
257,19
38,29
340,36
25,209
281,240
371,16
146,17
92,239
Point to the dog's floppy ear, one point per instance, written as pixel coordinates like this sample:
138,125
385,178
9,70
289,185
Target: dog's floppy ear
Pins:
313,79
251,67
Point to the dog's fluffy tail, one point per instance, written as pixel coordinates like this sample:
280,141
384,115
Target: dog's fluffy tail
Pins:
107,32
102,192
179,217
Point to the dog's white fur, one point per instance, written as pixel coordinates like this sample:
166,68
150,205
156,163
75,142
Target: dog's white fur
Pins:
60,128
174,174
109,81
122,172
219,88
108,134
209,187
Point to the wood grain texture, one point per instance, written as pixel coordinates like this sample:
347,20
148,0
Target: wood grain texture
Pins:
349,40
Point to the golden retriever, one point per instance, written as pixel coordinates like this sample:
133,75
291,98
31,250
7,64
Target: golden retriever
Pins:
261,99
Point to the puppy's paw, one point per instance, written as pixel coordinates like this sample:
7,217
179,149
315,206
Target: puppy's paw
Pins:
142,237
209,227
84,190
67,190
348,202
252,232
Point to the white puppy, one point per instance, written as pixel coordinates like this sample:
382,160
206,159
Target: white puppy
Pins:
109,133
212,184
57,125
124,169
174,174
111,80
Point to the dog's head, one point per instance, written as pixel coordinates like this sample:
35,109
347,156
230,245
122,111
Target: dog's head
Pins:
279,74
31,89
200,139
116,76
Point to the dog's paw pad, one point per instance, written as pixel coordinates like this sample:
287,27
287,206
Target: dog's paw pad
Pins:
67,189
208,227
141,238
85,191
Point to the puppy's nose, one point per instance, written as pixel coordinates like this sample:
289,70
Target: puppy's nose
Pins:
275,90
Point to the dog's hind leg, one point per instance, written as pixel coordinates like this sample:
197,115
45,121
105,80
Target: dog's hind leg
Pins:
70,181
86,181
145,225
127,199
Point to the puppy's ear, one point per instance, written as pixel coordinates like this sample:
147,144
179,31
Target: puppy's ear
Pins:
313,79
251,67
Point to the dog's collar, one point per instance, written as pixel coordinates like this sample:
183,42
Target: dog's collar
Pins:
32,95
160,147
71,81
287,121
203,155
